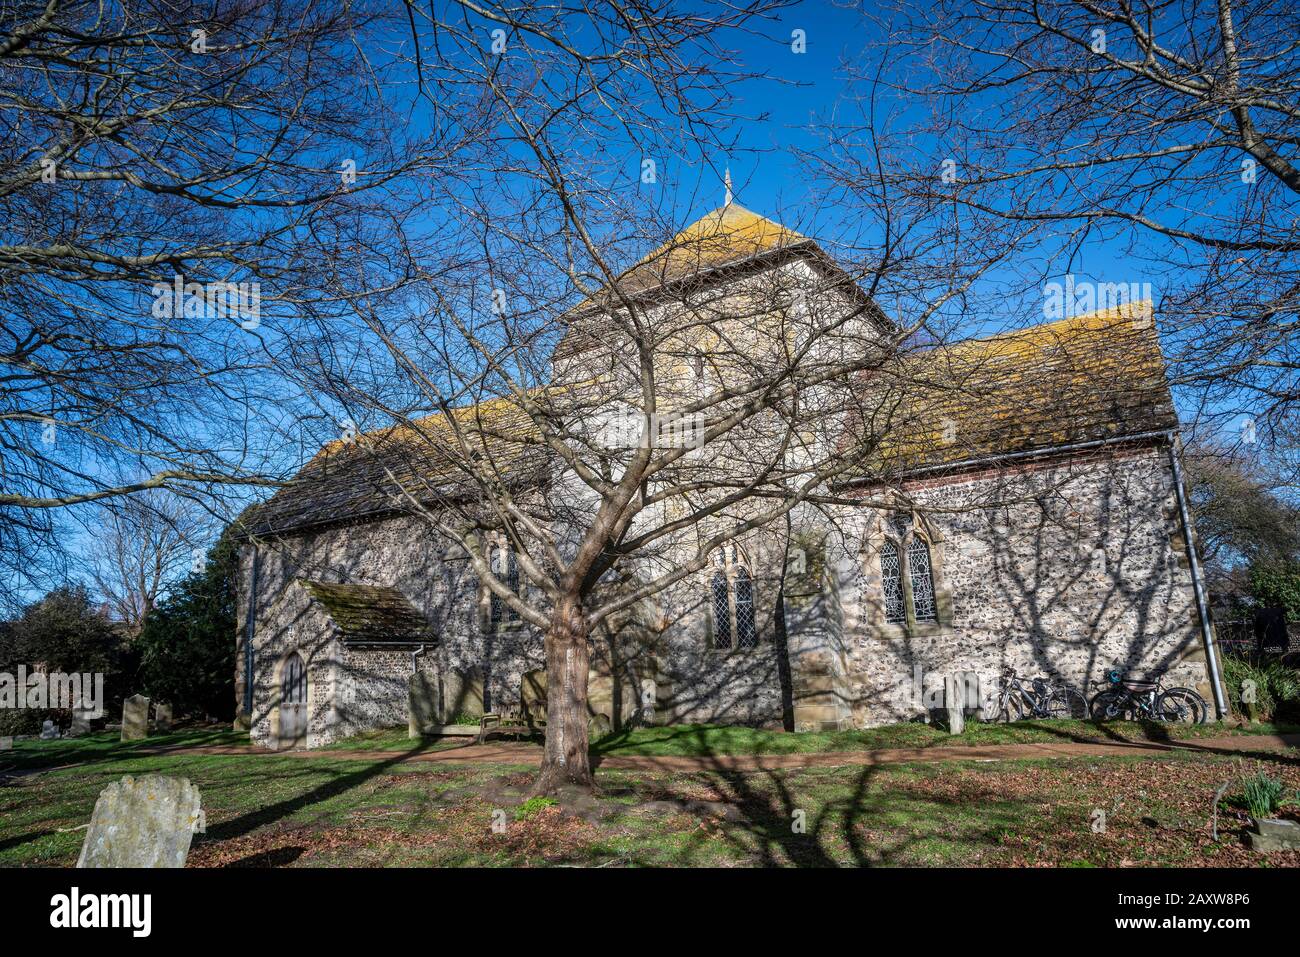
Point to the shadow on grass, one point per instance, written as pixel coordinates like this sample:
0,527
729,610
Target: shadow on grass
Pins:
344,782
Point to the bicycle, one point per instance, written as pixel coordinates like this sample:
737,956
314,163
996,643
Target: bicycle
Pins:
1138,699
1022,698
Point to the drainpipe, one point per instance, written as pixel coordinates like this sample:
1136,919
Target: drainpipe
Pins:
415,654
1202,610
250,628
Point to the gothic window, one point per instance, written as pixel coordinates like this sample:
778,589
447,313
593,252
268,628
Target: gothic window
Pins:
907,582
918,566
731,592
746,635
721,611
501,558
891,581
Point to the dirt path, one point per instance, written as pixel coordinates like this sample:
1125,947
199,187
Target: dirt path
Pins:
527,754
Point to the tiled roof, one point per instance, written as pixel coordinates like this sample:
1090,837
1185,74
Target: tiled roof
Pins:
1099,376
1076,380
370,613
727,235
367,476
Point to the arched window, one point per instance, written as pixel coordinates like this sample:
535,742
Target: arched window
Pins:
731,594
891,583
501,559
746,634
918,567
721,611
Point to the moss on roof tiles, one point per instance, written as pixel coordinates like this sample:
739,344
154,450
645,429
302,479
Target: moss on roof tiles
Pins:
370,474
369,613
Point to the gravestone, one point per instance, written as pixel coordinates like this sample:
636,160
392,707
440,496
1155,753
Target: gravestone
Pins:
48,731
462,695
80,722
532,693
147,821
954,699
649,695
421,704
162,715
135,718
7,743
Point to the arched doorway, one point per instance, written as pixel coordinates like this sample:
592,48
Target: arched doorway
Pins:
293,702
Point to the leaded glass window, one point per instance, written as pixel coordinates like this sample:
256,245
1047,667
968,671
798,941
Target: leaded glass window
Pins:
505,568
721,611
918,567
746,635
891,582
731,595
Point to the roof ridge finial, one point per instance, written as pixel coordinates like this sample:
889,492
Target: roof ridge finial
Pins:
726,179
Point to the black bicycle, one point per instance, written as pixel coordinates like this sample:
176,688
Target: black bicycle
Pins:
1022,698
1145,699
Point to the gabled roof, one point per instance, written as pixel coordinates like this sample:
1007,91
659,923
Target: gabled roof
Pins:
369,476
1099,376
718,246
370,614
725,236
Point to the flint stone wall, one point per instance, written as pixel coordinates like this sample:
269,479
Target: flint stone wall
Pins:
1083,570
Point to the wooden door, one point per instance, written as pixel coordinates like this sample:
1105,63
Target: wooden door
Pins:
293,703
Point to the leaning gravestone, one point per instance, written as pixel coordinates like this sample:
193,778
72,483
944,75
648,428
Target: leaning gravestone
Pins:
954,699
48,731
135,718
142,822
162,715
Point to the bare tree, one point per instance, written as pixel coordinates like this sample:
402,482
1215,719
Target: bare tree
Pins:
144,542
612,422
1163,133
169,170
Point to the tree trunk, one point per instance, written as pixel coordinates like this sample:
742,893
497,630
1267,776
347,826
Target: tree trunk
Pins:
565,761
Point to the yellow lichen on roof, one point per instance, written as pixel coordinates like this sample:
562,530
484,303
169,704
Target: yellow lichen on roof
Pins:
729,234
726,234
1094,376
500,416
1031,340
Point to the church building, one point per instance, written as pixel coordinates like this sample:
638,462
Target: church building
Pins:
1032,518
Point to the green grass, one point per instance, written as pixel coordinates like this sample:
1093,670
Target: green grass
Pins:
396,739
703,740
105,745
289,811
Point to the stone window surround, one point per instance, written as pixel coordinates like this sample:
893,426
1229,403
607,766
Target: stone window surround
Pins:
507,624
739,560
873,580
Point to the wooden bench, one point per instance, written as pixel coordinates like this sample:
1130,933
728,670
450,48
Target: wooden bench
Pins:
514,722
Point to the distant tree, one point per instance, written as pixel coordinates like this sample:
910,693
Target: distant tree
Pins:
1276,584
65,631
187,644
143,541
1243,517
